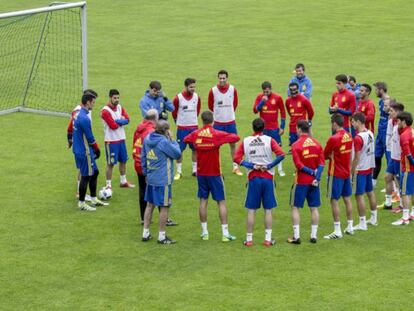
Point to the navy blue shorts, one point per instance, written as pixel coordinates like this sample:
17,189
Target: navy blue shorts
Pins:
116,152
181,133
293,137
229,128
380,146
407,183
86,164
362,184
211,184
393,167
158,195
274,134
338,187
260,191
300,193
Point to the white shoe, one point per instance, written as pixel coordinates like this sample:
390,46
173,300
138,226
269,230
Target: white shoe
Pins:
281,173
372,222
349,231
85,207
360,227
383,190
95,202
401,222
333,236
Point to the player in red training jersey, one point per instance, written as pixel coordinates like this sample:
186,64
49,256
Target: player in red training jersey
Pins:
257,150
367,106
269,104
343,101
405,121
309,161
338,150
207,142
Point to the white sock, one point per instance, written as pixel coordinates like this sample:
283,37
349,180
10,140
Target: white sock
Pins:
351,225
374,182
337,227
268,234
280,167
179,168
296,232
77,188
109,183
235,165
363,221
161,235
93,198
249,237
394,186
406,213
314,231
194,167
374,215
204,227
145,233
123,179
388,199
412,210
225,229
401,201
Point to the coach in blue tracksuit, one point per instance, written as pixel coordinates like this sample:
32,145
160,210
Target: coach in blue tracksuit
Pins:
305,84
157,156
155,99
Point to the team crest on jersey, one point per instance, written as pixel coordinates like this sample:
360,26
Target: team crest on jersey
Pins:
151,155
363,109
343,99
304,88
346,138
199,141
308,142
264,107
299,104
292,110
205,133
273,101
343,147
305,152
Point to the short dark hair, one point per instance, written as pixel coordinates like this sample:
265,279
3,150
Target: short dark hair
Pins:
207,117
294,84
359,116
258,125
162,127
338,119
113,92
90,91
189,81
367,86
155,85
300,65
266,85
223,72
406,117
303,125
397,106
87,98
351,78
381,86
342,78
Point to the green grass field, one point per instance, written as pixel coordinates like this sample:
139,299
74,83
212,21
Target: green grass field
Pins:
55,257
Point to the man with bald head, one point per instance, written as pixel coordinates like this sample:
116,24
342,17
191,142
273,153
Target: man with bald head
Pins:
157,156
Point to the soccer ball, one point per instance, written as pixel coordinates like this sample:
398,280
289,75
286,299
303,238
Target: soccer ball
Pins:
105,193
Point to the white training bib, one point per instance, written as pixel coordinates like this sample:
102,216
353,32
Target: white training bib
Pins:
258,150
187,110
223,105
367,159
110,134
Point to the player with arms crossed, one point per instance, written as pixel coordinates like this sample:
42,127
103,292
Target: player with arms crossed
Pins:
338,151
187,107
86,151
361,170
257,150
309,161
207,142
268,104
223,101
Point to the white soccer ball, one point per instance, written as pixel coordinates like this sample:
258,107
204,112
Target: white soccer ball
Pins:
105,193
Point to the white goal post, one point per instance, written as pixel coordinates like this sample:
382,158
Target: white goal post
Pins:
43,59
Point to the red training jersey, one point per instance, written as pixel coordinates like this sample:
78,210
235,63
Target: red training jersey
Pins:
143,129
344,100
407,148
338,150
367,107
270,110
299,108
207,142
306,151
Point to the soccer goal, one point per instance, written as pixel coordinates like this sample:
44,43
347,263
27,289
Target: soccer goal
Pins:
43,59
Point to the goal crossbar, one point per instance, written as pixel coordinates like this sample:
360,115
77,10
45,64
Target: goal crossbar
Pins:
43,9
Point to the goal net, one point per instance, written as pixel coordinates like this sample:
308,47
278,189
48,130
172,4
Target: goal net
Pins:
43,59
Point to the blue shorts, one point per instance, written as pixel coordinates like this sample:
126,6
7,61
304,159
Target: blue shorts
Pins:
274,134
362,184
229,128
181,133
407,183
299,193
380,146
158,195
393,167
211,184
338,187
292,138
388,156
86,164
116,152
260,190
